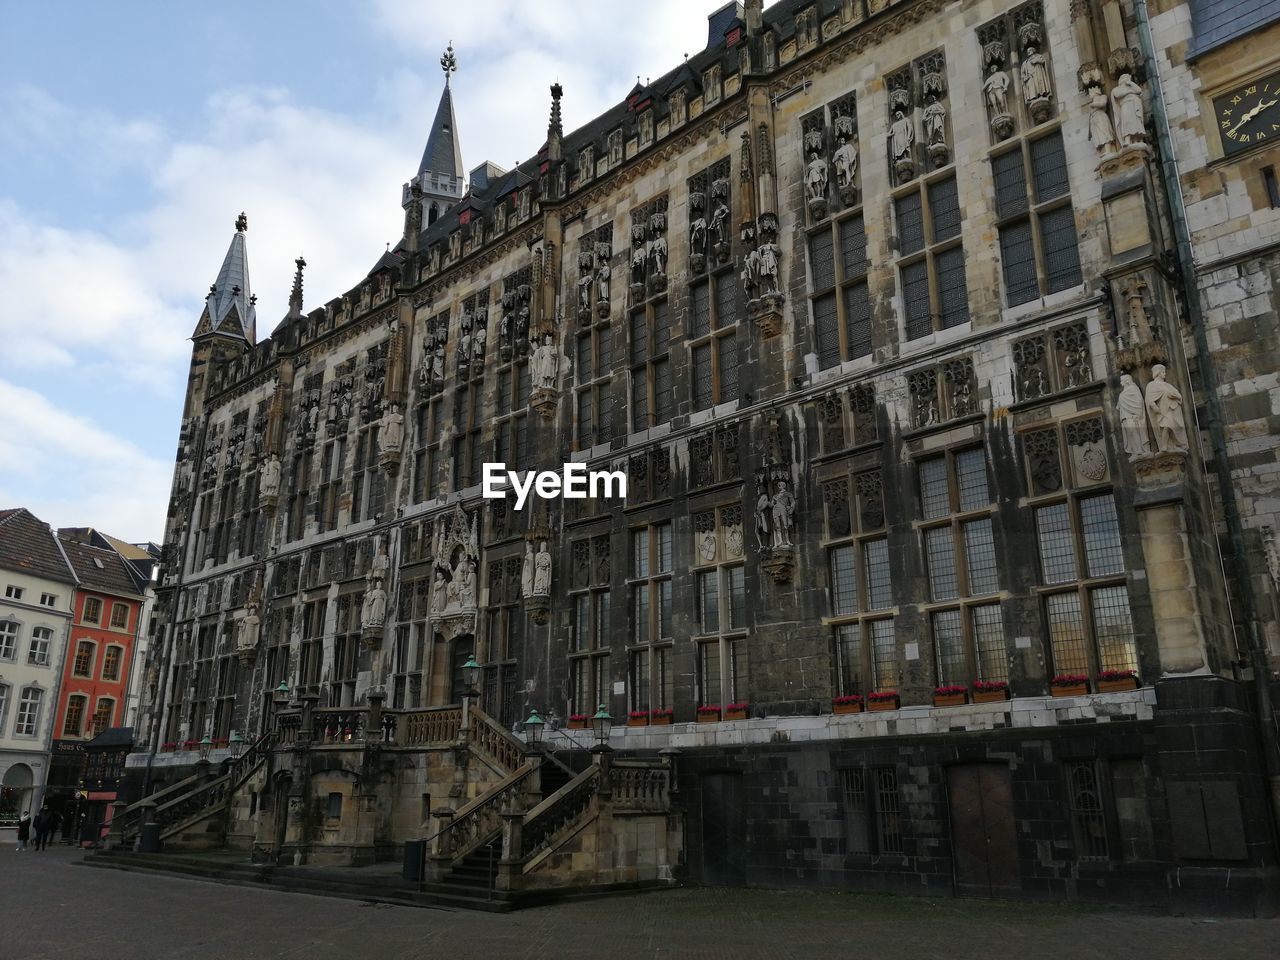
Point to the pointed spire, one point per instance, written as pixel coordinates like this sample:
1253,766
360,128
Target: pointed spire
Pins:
555,131
443,155
230,307
295,295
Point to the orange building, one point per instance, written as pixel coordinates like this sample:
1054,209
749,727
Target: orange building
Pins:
106,613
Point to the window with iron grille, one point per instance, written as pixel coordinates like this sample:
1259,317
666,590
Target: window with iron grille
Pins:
1088,811
860,585
1082,566
713,339
73,722
651,635
839,297
961,567
888,821
593,376
590,601
652,393
429,455
858,829
465,426
1038,250
250,514
311,651
721,617
931,269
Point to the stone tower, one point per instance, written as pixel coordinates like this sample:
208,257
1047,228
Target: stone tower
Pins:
440,180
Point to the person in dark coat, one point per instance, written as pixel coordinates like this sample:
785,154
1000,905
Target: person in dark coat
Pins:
24,830
40,824
50,828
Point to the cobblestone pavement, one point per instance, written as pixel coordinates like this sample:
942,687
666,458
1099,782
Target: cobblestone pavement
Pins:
53,907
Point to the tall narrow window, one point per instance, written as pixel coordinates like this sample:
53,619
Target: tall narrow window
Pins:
931,258
429,454
652,398
511,431
840,301
8,639
102,714
652,634
41,640
590,600
467,453
722,624
83,666
73,723
111,663
1088,815
713,343
593,376
28,719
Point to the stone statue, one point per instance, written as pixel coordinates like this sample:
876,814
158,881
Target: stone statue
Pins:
764,508
467,583
437,364
935,116
901,136
439,592
247,635
603,275
1035,77
784,512
658,251
815,178
996,88
768,271
720,223
585,283
269,485
751,271
637,265
542,571
477,345
1164,406
373,612
846,163
1101,133
1133,418
391,430
698,235
526,571
544,365
1126,106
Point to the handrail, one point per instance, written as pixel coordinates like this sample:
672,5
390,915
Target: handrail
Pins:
564,807
478,821
496,740
435,725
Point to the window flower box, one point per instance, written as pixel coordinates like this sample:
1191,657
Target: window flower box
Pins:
638,718
849,703
990,691
736,711
882,700
579,721
950,696
1069,685
1112,681
662,717
709,713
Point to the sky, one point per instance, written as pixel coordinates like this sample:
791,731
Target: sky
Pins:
133,133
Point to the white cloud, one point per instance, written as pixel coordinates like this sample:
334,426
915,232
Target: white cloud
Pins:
69,471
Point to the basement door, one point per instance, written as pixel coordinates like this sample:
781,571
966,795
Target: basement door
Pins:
984,839
724,830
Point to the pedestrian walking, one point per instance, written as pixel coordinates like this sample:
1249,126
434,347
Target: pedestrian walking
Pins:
51,828
39,825
24,830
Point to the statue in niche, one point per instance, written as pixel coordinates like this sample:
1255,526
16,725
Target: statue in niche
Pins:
1133,418
1164,406
751,272
815,178
437,364
542,571
585,282
478,341
783,510
391,430
544,365
1035,78
698,235
439,592
996,87
269,485
1101,134
901,137
603,275
764,510
768,266
526,571
935,127
1034,384
373,612
247,629
720,223
637,265
466,592
658,252
846,163
1126,105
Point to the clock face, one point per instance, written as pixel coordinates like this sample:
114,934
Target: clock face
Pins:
1249,115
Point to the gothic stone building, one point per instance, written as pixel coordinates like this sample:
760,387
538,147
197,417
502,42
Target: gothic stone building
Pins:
923,580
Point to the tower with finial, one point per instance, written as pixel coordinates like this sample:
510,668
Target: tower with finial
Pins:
441,179
295,295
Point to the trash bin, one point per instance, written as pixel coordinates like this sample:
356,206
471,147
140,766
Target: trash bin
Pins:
149,838
415,855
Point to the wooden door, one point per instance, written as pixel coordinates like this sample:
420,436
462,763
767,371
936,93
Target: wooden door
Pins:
724,829
984,839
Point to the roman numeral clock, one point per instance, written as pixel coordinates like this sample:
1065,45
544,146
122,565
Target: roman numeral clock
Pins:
1249,115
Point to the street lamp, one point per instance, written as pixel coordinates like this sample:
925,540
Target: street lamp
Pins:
471,675
601,723
283,688
205,746
533,728
236,744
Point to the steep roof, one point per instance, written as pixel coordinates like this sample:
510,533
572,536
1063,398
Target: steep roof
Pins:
28,546
99,569
443,155
1215,22
140,559
229,307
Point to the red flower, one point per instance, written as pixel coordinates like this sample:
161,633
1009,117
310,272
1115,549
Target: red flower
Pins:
575,717
848,698
638,714
985,685
948,691
1069,679
736,706
1117,675
709,708
662,712
883,695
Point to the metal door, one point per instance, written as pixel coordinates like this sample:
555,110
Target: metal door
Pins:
984,839
724,829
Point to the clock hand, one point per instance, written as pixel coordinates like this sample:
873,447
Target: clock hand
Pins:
1257,109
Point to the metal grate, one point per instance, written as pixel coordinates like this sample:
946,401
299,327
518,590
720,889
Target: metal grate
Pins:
944,207
971,479
702,379
940,557
1088,816
822,261
991,658
884,655
857,320
709,601
915,297
1018,259
848,649
726,302
935,498
1010,181
853,247
844,586
1062,258
953,292
828,336
888,822
948,645
663,392
910,223
853,785
1066,633
728,367
879,579
701,324
1049,167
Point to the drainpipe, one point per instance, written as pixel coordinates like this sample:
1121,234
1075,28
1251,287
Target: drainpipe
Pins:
1265,719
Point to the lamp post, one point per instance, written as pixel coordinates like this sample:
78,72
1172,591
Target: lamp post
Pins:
533,729
205,746
601,724
236,744
471,675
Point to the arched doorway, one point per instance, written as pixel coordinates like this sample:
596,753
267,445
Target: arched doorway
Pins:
16,792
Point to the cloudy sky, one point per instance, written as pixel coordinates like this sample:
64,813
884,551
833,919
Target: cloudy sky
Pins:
134,132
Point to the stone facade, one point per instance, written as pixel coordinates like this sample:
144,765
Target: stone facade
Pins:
871,303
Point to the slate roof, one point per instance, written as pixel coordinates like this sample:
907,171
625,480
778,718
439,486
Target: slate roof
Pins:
1215,22
443,154
140,559
229,307
28,546
99,569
